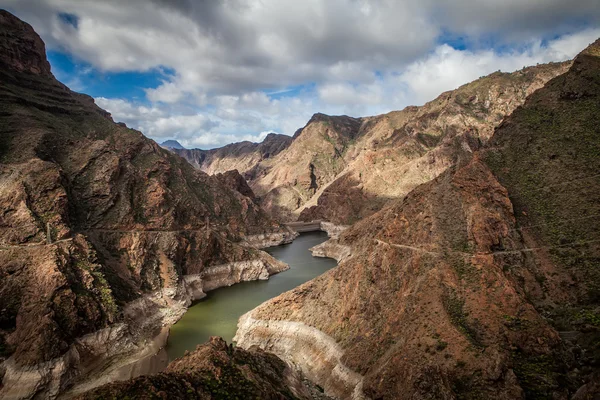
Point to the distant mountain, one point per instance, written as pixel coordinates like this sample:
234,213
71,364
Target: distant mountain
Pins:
242,156
172,144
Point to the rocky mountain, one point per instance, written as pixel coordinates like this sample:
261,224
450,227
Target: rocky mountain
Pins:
341,169
398,151
481,283
105,237
172,144
242,156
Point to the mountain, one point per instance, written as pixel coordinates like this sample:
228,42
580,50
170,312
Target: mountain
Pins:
105,237
341,169
481,283
172,144
241,156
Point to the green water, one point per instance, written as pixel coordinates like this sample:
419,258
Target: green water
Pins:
218,313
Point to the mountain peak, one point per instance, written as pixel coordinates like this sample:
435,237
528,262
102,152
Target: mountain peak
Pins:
21,49
172,144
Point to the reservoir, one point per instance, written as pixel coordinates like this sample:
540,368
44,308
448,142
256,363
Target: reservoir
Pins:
218,313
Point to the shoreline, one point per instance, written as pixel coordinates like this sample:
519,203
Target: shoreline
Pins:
135,346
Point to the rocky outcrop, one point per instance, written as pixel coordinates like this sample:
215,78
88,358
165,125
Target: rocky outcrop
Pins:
242,271
216,370
316,354
481,283
233,180
96,218
333,231
21,49
270,239
332,249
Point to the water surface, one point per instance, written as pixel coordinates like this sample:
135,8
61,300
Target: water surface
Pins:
218,313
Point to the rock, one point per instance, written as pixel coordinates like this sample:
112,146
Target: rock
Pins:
21,49
318,355
213,370
242,156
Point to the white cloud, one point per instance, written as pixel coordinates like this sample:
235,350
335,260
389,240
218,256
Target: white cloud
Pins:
236,117
447,68
356,57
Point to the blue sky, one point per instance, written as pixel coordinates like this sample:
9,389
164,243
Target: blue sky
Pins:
210,73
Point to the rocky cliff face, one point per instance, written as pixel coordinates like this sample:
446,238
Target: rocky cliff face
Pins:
481,283
94,217
242,156
216,370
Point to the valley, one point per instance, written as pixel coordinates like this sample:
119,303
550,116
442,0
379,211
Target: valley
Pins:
443,251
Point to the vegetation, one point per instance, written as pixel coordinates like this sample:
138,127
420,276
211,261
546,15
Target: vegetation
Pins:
454,306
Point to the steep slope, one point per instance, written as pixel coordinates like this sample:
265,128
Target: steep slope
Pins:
313,159
104,236
398,151
482,283
241,156
215,370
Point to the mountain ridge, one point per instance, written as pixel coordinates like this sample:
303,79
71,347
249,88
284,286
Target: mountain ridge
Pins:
370,160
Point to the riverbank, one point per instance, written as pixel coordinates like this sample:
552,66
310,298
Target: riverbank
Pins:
134,346
219,312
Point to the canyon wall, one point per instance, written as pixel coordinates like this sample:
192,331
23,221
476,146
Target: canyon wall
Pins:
97,219
481,283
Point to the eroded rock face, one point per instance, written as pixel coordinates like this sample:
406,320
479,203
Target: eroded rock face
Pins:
96,217
481,283
233,180
215,370
21,48
319,356
396,152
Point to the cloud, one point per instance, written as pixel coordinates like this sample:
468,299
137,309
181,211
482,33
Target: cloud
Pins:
355,57
209,128
447,68
225,47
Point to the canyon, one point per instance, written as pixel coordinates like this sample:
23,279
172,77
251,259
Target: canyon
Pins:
341,169
465,231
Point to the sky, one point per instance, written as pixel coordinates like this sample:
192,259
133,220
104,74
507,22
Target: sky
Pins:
208,72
